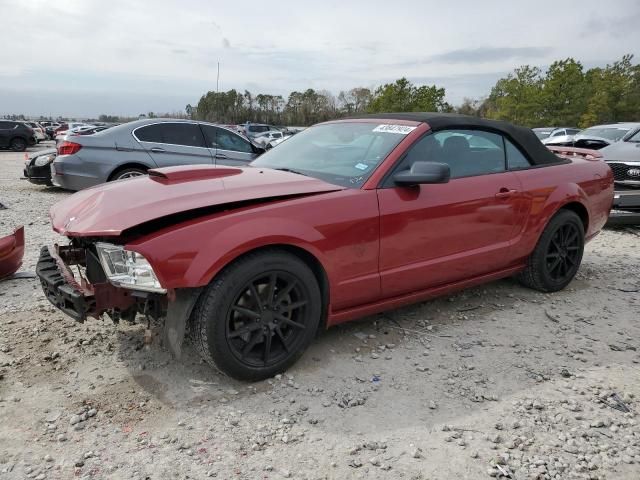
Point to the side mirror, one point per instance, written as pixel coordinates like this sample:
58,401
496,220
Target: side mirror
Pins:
423,172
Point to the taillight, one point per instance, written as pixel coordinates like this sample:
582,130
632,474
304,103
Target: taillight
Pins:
68,148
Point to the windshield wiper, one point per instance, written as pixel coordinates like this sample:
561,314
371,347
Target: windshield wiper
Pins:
290,170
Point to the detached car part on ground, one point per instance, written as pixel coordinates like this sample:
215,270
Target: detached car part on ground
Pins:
346,219
130,149
11,253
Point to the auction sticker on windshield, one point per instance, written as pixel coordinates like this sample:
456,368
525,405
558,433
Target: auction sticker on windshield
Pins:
401,129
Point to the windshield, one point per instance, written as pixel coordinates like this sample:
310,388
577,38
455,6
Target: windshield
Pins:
341,153
610,133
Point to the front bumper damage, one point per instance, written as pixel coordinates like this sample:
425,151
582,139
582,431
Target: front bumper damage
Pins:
77,297
89,294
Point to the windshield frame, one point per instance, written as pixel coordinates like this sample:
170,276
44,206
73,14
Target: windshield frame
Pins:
633,137
374,176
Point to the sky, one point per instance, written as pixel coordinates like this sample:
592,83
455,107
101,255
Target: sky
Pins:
126,57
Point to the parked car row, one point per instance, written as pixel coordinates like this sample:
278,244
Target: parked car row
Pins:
594,138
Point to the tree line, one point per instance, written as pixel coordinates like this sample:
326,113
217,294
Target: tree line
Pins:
565,94
312,106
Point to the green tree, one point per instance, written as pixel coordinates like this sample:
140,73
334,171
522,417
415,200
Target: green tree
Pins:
517,98
563,93
403,96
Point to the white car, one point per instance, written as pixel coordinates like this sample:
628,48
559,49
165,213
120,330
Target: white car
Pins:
561,137
268,137
40,132
73,127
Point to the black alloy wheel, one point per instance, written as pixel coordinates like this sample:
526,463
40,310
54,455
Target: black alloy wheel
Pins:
564,252
257,316
558,254
267,319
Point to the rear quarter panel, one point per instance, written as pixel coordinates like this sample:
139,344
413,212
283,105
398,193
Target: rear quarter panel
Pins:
102,154
340,229
549,188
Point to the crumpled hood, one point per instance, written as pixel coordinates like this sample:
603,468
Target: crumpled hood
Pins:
111,208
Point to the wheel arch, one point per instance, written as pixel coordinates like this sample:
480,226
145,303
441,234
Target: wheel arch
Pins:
579,209
124,166
311,260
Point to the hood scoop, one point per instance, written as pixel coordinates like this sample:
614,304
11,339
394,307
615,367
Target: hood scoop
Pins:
191,173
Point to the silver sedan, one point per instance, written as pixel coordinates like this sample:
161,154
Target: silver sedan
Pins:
130,149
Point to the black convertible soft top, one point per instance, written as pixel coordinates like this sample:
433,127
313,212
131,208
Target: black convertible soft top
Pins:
522,136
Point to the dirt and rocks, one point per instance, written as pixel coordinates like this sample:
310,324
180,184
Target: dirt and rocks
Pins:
498,381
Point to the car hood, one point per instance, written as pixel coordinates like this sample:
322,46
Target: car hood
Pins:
622,151
558,139
111,208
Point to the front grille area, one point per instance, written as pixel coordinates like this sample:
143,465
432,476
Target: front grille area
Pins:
621,171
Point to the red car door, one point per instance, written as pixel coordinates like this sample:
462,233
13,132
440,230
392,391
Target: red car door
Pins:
436,234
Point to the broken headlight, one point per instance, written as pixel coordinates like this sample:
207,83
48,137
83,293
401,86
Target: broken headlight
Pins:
128,269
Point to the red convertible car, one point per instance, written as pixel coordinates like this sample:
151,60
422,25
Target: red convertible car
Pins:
343,220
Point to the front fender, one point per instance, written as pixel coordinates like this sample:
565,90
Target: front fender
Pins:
190,256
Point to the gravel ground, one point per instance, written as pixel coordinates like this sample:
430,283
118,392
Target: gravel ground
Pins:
497,381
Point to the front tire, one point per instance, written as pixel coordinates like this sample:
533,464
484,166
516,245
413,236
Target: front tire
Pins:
558,254
258,316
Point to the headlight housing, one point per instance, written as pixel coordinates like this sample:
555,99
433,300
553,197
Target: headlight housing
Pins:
128,269
43,160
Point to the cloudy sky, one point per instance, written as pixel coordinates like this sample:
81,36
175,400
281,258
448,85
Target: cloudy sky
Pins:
86,57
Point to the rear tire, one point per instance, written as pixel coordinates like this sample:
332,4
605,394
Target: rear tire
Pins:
18,145
258,316
558,254
127,173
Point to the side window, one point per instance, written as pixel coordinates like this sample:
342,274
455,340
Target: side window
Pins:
469,152
150,133
226,140
187,134
6,125
515,158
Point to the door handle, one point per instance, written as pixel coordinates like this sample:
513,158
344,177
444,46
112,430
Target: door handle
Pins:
506,193
220,155
157,150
